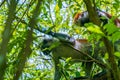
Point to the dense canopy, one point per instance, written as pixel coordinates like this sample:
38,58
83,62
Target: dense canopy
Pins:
24,24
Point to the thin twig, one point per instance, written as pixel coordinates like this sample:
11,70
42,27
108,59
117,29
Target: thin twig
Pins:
2,3
21,17
64,74
21,6
51,14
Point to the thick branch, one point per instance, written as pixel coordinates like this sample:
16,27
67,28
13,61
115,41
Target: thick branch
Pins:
6,37
92,12
26,51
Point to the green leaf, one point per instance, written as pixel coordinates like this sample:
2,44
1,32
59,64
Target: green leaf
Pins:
60,3
106,56
54,45
110,28
57,8
95,29
115,36
68,59
77,74
117,54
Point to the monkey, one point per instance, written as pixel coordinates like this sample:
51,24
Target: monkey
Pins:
78,50
82,18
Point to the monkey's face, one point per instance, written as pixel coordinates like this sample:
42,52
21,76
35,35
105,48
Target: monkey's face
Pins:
81,18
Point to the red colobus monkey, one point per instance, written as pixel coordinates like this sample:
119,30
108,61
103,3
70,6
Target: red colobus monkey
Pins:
64,46
64,49
82,18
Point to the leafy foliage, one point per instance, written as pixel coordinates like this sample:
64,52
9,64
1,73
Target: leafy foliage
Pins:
56,15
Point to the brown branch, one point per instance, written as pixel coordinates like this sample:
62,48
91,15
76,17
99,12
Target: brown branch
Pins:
21,20
20,6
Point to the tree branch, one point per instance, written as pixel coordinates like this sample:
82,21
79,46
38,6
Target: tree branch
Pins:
26,50
6,36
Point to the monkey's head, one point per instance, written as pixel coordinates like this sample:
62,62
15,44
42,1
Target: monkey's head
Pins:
81,19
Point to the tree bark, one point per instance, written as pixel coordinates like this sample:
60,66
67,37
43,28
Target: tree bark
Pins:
26,51
6,36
